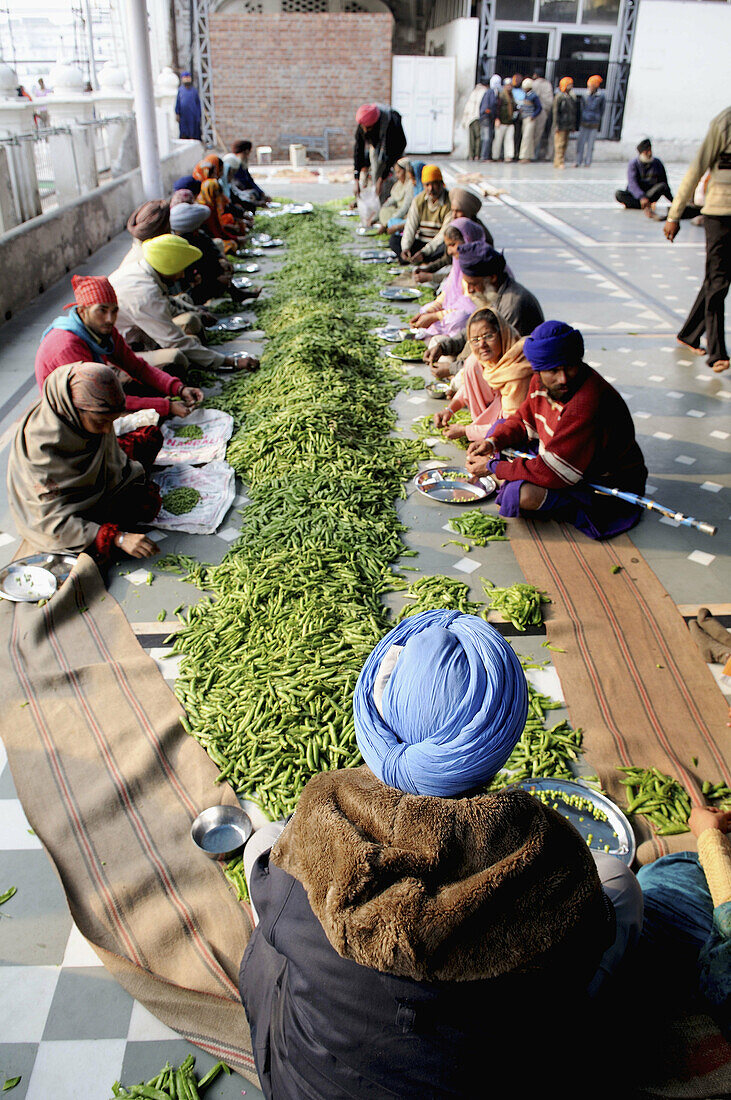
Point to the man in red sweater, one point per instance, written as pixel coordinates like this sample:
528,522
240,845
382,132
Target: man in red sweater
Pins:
87,334
582,431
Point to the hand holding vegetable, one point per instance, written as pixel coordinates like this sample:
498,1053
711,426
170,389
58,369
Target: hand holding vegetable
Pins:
441,372
179,408
442,418
191,395
423,320
457,431
709,818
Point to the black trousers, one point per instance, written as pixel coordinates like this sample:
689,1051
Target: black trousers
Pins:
395,244
653,194
707,312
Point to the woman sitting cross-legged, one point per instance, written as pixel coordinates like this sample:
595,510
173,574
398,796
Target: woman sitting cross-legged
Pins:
494,380
70,485
416,930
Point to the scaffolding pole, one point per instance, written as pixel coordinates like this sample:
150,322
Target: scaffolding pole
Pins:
144,92
201,46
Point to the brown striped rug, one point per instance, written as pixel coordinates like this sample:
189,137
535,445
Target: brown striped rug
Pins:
633,680
111,783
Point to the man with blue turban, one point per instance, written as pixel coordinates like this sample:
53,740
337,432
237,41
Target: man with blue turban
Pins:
582,432
409,919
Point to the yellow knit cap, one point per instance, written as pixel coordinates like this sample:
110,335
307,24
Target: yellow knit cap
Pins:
169,254
431,172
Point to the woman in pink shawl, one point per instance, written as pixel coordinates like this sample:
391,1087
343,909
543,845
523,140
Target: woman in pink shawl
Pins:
451,308
494,380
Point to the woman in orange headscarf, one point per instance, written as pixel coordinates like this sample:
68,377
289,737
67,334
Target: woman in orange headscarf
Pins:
221,223
210,168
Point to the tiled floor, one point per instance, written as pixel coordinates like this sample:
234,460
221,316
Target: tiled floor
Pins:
66,1027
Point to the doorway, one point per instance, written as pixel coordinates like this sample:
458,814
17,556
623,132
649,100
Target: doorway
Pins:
521,51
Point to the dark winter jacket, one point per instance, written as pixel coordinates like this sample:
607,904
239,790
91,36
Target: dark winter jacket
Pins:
565,111
592,109
389,139
405,940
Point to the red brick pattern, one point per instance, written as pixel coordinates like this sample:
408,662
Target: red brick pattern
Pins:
297,73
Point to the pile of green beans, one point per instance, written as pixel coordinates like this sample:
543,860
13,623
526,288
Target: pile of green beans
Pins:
424,427
718,793
181,500
270,662
541,752
520,603
189,431
481,527
410,350
658,797
437,593
171,1083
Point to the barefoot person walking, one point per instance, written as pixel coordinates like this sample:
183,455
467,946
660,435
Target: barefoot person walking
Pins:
707,312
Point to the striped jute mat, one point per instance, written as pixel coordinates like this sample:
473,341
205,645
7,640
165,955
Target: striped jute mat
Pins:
111,783
633,679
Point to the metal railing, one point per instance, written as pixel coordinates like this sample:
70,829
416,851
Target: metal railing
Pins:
105,132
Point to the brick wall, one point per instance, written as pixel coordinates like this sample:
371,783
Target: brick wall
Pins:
297,73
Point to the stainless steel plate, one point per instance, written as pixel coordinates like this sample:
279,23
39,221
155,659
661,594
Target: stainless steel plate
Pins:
349,214
241,282
248,268
366,231
454,485
220,832
390,335
236,323
265,241
417,357
375,256
400,293
35,577
614,836
438,390
244,252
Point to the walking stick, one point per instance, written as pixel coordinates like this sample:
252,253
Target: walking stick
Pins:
632,498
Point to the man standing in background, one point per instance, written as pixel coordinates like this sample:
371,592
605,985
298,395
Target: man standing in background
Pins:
542,132
708,311
188,108
471,120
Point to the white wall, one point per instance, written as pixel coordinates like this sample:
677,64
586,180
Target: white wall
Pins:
460,40
679,77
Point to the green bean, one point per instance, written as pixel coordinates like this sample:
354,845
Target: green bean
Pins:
481,527
520,603
9,893
180,500
188,431
658,797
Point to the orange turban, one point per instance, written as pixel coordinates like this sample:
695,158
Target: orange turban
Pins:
594,82
430,173
565,83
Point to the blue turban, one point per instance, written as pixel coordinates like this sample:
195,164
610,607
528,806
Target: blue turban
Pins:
552,345
440,704
480,258
187,183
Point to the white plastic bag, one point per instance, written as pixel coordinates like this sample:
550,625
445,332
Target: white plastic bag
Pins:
368,206
216,484
216,427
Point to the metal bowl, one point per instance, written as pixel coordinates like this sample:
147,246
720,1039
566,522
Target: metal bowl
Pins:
221,832
454,485
34,578
400,293
438,390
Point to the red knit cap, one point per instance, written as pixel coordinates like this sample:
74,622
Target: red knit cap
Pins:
92,290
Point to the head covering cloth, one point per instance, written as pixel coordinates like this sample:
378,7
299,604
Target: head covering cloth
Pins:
480,259
431,173
59,473
92,290
496,82
594,81
169,254
440,704
565,83
208,168
469,203
495,388
149,220
220,222
552,345
231,164
527,84
187,183
644,146
367,115
404,163
417,167
182,195
187,217
186,73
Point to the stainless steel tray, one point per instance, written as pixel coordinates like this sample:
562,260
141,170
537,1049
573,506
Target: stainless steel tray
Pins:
454,485
614,835
35,577
400,293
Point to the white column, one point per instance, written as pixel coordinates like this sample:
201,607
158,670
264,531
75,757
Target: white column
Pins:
144,92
